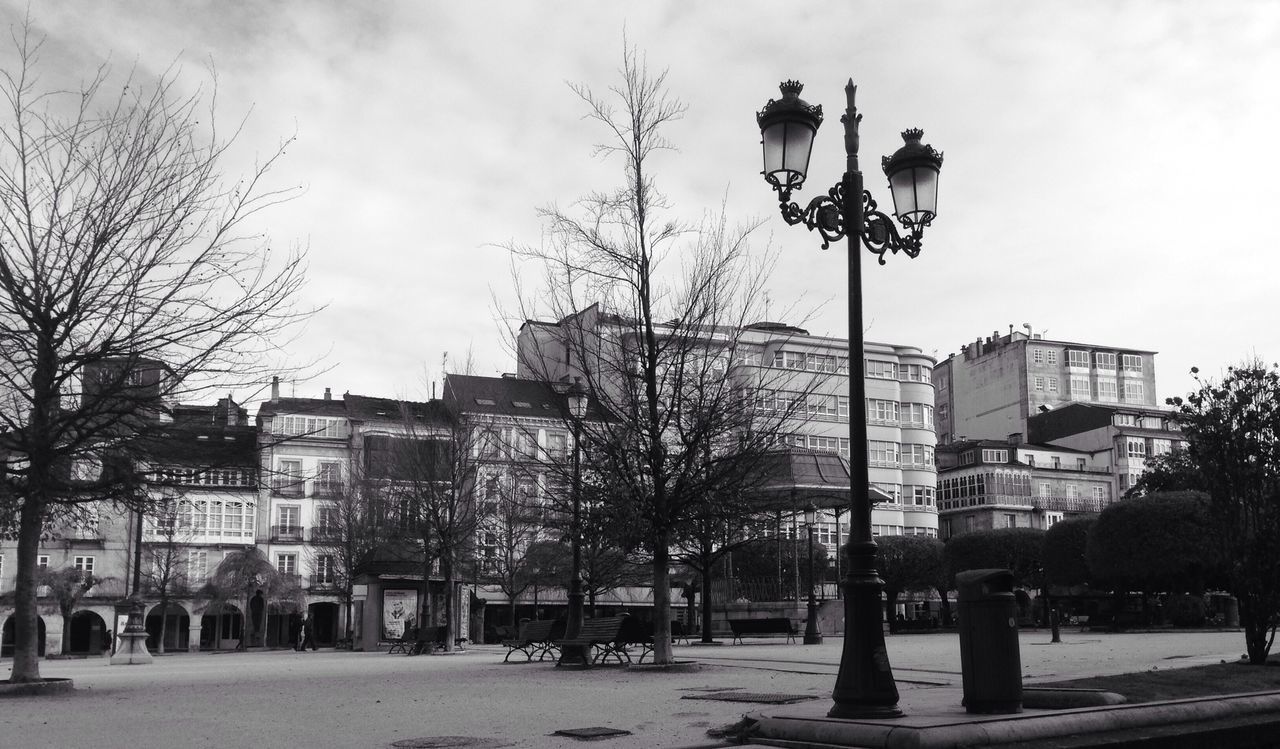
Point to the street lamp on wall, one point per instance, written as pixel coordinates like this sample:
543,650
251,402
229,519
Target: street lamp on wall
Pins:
864,687
576,655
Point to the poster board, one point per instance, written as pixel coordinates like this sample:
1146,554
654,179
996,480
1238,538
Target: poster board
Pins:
399,606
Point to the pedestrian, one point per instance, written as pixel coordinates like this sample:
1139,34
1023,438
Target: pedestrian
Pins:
308,634
295,631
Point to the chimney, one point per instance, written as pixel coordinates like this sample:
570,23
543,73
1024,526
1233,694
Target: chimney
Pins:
1015,438
328,395
275,389
231,411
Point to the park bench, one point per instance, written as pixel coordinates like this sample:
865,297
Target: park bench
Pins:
603,636
404,643
538,637
431,640
762,628
679,632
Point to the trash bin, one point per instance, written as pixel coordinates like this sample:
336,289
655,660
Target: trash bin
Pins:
990,665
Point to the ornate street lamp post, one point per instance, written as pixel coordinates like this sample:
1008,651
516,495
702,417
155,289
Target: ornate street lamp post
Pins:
865,686
576,655
811,634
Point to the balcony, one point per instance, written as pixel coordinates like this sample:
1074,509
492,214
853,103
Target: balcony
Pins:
287,487
327,489
323,583
324,534
83,536
286,534
1068,504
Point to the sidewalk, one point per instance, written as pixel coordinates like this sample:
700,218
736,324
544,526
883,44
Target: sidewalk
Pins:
344,699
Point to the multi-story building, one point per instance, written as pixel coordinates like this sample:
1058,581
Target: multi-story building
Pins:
996,384
985,484
207,496
1128,435
305,454
782,364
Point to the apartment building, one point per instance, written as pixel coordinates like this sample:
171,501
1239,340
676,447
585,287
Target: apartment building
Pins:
986,484
1127,435
781,364
996,384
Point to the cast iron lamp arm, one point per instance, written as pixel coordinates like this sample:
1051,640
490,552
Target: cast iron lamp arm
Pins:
879,234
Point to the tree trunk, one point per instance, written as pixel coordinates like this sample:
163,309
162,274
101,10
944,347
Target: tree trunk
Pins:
890,605
661,602
66,634
26,647
946,608
1257,629
706,602
164,621
591,597
446,566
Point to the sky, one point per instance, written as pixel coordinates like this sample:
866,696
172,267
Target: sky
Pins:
1107,177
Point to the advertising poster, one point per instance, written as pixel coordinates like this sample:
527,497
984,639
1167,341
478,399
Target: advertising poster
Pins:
398,607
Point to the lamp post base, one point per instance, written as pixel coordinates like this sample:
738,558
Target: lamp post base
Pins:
864,687
574,656
132,650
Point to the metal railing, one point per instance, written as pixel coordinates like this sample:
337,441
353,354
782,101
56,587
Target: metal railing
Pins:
287,533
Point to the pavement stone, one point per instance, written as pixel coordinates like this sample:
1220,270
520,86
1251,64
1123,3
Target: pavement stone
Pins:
344,699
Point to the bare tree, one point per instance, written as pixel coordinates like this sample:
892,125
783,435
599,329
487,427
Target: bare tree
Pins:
240,576
356,527
166,573
66,587
128,279
510,520
651,314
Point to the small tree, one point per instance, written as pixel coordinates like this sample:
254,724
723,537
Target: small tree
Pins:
166,574
66,587
1171,472
1152,544
240,576
1064,558
1015,549
510,521
906,563
1233,430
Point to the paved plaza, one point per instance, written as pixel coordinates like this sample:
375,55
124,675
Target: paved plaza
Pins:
343,699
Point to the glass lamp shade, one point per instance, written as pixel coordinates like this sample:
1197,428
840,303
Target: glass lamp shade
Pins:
787,128
810,515
913,178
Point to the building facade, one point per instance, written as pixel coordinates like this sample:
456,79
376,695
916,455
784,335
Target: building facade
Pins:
996,384
987,484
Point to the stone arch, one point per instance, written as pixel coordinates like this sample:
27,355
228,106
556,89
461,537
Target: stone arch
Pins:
325,621
176,625
7,636
220,627
87,634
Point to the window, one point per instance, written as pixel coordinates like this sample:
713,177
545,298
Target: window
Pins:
327,519
325,569
557,445
1107,390
822,407
1133,392
1161,447
197,567
1037,355
1099,492
42,561
289,517
966,458
1131,363
1081,464
882,411
1078,359
893,490
1104,361
882,370
921,496
1010,520
916,373
995,456
287,564
883,453
309,426
917,415
1031,459
84,564
1124,420
1136,448
824,444
917,455
289,478
1044,489
842,406
1050,518
328,479
1039,383
1057,462
1073,491
1080,388
1053,384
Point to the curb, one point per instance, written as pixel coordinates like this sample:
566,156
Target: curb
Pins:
36,688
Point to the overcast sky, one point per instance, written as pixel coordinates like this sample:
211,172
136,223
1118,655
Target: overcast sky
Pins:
1109,176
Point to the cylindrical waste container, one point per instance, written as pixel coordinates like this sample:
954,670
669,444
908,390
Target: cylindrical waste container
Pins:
990,665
